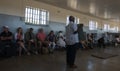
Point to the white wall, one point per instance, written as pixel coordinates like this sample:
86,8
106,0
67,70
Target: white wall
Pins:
17,8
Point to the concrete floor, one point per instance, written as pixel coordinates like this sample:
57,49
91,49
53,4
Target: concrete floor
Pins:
56,62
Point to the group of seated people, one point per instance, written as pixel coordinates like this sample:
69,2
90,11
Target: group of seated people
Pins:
29,42
91,42
88,43
40,42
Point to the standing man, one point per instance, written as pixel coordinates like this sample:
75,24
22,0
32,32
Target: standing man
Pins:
71,41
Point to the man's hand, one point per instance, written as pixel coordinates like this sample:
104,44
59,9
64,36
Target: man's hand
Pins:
75,32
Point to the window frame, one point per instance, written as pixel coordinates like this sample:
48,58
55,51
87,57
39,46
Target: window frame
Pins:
93,25
36,16
106,27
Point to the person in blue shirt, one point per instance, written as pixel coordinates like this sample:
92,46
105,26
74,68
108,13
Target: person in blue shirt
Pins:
72,42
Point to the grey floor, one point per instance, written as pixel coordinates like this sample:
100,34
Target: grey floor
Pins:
56,62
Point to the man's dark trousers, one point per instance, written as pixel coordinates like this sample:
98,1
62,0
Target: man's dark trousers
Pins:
71,54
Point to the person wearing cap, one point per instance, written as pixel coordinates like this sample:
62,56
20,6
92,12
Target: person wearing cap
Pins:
6,35
6,40
72,42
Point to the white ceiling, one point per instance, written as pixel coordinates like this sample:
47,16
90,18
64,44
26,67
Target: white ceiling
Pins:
105,9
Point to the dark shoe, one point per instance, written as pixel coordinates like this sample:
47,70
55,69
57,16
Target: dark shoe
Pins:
72,66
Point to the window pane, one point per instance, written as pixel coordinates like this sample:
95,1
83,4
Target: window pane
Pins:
93,25
36,16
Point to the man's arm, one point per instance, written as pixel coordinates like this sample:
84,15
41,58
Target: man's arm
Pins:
3,38
75,28
10,37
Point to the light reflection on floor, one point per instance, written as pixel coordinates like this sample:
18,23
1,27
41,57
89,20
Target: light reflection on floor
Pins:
56,62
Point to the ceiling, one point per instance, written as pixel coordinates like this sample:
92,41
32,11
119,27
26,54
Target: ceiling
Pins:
105,9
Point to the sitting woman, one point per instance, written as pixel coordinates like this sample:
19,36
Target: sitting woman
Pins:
41,36
19,37
51,39
30,40
61,40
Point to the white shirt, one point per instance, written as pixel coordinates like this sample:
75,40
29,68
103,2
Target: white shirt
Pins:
118,39
60,35
16,36
71,38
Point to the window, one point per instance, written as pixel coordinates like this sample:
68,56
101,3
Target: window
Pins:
93,25
106,27
114,29
36,16
77,20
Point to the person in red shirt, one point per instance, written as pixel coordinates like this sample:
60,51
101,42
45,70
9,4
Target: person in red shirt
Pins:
41,36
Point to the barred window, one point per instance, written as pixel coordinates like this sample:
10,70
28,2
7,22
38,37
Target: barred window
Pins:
114,29
36,16
93,25
106,27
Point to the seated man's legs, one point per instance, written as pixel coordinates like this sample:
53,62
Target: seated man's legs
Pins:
39,46
32,47
44,47
51,47
1,49
8,48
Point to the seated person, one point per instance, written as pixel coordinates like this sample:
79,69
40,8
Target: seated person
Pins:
30,39
84,44
117,40
19,37
41,36
6,42
90,40
51,39
61,40
101,42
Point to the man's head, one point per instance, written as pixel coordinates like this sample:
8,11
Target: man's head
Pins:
5,28
41,30
52,32
71,18
31,30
